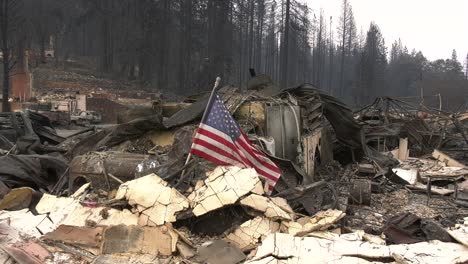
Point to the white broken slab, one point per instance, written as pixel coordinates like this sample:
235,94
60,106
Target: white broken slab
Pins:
154,198
224,186
69,211
430,252
460,232
26,222
320,221
250,233
411,176
298,250
51,204
306,250
274,208
81,215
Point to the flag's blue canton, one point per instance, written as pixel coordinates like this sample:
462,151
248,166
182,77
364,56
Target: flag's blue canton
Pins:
220,118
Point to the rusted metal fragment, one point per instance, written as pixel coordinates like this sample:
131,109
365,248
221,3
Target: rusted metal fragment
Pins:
28,253
224,186
75,235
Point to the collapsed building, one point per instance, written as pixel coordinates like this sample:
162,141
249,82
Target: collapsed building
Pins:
383,184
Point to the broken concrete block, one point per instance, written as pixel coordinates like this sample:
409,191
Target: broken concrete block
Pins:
224,186
320,221
250,233
137,239
51,204
430,252
81,215
154,198
27,223
274,208
219,252
285,248
460,232
291,249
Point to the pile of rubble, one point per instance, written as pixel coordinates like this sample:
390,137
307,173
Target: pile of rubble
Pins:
376,186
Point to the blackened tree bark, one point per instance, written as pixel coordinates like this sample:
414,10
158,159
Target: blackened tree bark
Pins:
285,47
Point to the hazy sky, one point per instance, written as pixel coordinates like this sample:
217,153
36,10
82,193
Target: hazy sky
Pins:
435,27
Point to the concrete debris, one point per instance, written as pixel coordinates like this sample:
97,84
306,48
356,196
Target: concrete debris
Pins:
388,183
285,248
275,208
320,221
224,186
157,209
250,233
460,232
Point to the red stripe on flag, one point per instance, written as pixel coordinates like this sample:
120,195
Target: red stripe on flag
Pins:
227,143
264,163
221,140
214,148
209,157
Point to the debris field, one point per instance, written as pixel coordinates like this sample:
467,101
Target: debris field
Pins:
385,184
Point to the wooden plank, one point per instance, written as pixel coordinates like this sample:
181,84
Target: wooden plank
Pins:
442,157
403,152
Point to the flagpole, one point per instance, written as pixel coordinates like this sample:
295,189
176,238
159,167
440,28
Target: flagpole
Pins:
213,92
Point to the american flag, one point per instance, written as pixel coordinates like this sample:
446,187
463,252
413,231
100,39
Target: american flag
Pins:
219,139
